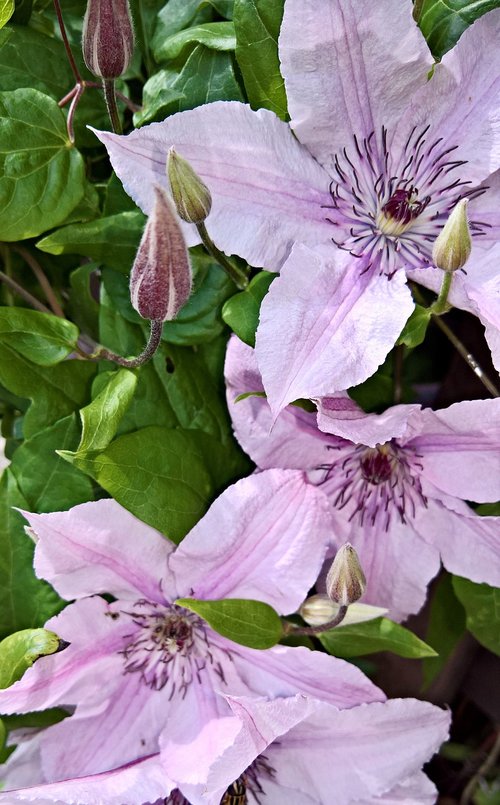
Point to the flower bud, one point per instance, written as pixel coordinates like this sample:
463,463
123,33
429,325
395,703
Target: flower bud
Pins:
318,609
453,245
108,37
345,582
160,280
191,196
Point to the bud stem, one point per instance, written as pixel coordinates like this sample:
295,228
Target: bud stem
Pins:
108,86
132,363
238,276
67,46
313,630
441,305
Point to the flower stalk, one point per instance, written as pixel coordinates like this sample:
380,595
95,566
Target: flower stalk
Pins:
154,340
238,276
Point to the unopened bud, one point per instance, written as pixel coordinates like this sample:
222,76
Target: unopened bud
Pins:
108,37
345,582
161,279
453,245
318,609
191,196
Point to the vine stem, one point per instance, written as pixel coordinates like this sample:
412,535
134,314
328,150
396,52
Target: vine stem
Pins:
67,46
132,363
42,280
483,770
108,86
238,276
291,630
23,293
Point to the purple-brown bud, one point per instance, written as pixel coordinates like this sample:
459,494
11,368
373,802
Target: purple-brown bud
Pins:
108,37
191,196
161,279
345,582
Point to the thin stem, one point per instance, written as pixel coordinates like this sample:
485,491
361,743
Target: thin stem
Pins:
108,86
483,770
441,304
313,630
42,280
238,276
131,363
468,357
23,293
67,46
399,354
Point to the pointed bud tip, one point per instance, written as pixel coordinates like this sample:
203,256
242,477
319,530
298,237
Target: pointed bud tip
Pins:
107,38
345,582
453,245
191,196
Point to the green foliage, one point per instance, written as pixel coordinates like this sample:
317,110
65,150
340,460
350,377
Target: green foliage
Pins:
482,609
101,418
214,35
42,338
443,22
19,651
250,623
6,11
415,328
241,312
446,627
42,176
257,24
380,634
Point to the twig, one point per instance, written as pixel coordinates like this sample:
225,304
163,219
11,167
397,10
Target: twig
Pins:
42,280
23,293
483,770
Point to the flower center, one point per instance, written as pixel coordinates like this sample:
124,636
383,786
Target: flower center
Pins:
168,646
375,483
389,203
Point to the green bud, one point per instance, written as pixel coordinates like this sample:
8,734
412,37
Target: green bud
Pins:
345,582
191,196
453,245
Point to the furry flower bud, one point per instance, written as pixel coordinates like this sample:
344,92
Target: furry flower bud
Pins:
345,582
453,245
191,196
108,37
161,279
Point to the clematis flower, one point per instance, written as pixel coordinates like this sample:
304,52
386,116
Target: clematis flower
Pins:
397,482
142,663
296,749
374,159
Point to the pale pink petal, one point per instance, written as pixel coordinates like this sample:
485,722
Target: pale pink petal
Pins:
343,417
486,209
459,449
416,789
469,544
326,326
397,563
358,752
24,767
266,188
337,83
141,782
292,442
265,538
85,672
100,548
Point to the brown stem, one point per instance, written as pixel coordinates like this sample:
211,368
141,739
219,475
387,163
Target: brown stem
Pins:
67,46
483,770
291,630
23,293
42,280
468,357
132,363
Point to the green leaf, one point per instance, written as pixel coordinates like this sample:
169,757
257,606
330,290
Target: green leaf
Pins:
100,419
446,627
257,24
55,391
380,634
19,651
482,609
443,22
173,17
207,76
157,474
42,338
249,623
112,241
42,176
83,308
241,312
414,331
214,35
25,601
6,11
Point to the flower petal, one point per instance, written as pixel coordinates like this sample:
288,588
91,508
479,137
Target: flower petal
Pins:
265,538
417,788
265,186
326,326
343,417
459,449
141,782
337,83
100,548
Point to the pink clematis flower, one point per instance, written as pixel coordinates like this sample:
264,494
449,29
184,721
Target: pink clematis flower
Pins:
141,664
374,159
296,749
397,482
